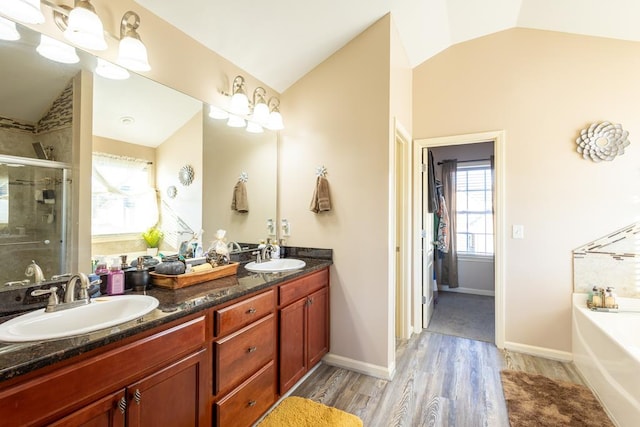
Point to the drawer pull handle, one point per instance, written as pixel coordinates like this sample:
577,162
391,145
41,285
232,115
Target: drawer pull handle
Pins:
137,396
251,403
122,405
252,349
251,311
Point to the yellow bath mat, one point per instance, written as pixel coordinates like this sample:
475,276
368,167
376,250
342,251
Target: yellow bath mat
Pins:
301,412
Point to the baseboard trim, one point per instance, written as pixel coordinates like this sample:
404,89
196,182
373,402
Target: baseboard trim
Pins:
385,373
563,356
483,292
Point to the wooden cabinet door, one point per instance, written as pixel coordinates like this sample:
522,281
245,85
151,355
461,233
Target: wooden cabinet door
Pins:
106,412
292,344
173,396
317,326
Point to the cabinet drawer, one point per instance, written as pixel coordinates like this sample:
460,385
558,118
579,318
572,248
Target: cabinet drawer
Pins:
240,314
302,287
244,352
244,405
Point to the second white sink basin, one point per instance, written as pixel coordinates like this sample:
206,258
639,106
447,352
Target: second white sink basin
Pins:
275,265
102,312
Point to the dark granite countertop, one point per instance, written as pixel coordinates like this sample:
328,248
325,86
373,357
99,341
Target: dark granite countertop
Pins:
20,358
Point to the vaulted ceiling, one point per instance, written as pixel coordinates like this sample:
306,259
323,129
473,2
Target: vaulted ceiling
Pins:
279,41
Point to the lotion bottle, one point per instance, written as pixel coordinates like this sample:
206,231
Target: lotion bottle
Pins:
115,280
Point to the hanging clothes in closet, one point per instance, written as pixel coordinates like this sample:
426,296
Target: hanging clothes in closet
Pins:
442,230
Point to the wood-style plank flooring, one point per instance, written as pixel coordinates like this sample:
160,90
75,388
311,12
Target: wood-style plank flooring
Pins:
440,380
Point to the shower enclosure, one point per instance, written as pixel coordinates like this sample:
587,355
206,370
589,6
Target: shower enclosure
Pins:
34,217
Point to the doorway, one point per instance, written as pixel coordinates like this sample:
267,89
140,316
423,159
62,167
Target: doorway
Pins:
423,222
402,230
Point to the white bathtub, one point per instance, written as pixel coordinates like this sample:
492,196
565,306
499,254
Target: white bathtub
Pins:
606,351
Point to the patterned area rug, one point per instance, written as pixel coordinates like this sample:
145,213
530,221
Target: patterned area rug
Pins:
538,401
301,412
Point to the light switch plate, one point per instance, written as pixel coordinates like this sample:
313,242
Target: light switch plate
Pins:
518,231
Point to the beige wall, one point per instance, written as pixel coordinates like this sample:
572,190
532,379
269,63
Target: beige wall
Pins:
338,116
542,88
183,148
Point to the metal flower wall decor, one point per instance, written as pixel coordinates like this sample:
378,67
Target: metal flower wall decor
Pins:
602,141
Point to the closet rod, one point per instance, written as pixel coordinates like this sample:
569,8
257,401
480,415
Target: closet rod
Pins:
469,161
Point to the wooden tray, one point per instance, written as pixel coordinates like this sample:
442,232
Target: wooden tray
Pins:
177,281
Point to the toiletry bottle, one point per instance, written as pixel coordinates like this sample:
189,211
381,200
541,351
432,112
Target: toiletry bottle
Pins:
282,252
115,280
610,299
592,292
103,272
275,252
597,298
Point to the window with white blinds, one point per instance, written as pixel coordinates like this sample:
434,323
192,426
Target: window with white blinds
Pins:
474,214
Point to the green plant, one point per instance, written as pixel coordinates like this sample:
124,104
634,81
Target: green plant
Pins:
153,236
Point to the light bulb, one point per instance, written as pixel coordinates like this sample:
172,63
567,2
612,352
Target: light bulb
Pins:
8,30
84,28
132,54
56,50
27,11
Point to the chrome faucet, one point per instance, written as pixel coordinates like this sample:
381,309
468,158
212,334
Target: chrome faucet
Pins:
266,251
70,300
34,269
70,291
234,246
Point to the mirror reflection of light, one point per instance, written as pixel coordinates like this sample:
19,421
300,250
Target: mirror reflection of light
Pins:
8,30
111,71
57,51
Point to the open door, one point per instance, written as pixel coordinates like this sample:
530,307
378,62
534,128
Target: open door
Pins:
427,245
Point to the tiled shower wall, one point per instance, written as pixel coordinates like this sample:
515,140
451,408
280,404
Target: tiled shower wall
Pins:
603,269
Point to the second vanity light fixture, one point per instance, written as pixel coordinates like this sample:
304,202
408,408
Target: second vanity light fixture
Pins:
83,27
255,114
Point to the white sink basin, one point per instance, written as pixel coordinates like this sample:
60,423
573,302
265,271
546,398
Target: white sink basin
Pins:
275,265
102,312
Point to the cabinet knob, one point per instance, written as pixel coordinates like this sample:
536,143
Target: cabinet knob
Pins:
252,349
310,300
137,396
251,403
122,404
251,311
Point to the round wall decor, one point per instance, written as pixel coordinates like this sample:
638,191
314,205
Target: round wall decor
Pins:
172,191
602,141
185,176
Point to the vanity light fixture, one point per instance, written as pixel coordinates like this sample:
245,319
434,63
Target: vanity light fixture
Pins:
260,108
255,114
84,27
27,11
275,118
56,50
8,30
239,104
132,53
111,71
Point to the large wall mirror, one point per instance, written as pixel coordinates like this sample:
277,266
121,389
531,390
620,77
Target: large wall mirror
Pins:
134,118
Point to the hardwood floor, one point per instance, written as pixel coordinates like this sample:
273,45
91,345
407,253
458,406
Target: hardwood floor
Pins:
440,380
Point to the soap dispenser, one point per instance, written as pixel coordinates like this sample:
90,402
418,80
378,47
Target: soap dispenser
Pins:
115,280
610,298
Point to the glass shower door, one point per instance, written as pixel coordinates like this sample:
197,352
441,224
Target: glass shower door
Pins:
33,217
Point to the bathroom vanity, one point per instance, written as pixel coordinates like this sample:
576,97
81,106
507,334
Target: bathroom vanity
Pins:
219,354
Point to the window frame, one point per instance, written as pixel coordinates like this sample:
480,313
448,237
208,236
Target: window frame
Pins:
467,166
